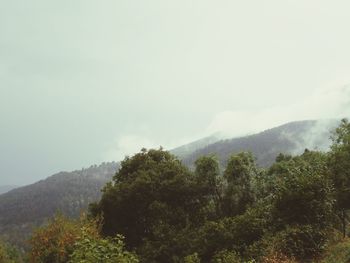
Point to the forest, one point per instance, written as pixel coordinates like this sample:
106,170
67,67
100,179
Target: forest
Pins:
157,210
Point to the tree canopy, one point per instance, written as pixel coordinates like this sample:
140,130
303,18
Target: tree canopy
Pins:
290,212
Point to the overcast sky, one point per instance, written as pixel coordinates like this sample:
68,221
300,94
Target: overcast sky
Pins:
83,82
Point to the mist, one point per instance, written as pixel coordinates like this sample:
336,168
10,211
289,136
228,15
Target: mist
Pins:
324,105
83,82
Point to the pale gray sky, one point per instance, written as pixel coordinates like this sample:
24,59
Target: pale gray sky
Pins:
86,81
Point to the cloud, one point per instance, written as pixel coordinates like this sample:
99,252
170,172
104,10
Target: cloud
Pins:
127,145
325,104
331,103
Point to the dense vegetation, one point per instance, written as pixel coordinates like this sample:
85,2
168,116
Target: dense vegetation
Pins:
294,211
76,241
23,209
28,207
9,254
292,138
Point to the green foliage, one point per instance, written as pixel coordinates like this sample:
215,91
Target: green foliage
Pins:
301,196
339,166
283,157
63,240
232,233
194,258
209,183
337,253
303,193
152,199
168,213
225,256
54,242
207,172
239,173
8,254
92,249
301,242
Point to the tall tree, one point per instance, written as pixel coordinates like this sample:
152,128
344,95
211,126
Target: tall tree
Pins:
339,165
209,182
239,173
153,198
303,191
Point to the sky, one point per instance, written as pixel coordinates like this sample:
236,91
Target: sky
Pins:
82,82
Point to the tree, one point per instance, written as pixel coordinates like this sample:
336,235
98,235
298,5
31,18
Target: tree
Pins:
235,234
303,191
302,205
239,173
207,175
339,165
153,198
92,249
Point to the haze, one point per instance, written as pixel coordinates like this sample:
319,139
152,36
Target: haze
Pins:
83,82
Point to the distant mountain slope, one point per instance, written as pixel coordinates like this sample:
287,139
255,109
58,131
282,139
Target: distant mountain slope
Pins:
6,188
187,149
67,192
23,208
290,138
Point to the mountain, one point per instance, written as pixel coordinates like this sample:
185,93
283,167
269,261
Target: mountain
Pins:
70,193
24,208
291,138
6,188
189,148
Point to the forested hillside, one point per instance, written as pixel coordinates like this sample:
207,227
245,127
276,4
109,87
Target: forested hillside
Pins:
67,192
156,210
291,138
6,188
70,192
187,149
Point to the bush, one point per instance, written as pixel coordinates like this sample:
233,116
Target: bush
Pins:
8,254
91,249
232,234
54,242
64,240
225,256
194,258
300,242
337,253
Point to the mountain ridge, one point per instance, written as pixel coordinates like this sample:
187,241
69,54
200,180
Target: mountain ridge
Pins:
292,138
69,193
7,188
27,207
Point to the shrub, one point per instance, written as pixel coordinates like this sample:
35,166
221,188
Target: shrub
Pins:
8,254
194,258
54,242
92,249
300,242
225,256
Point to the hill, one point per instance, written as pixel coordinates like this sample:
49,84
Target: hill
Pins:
290,138
6,188
187,149
23,208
